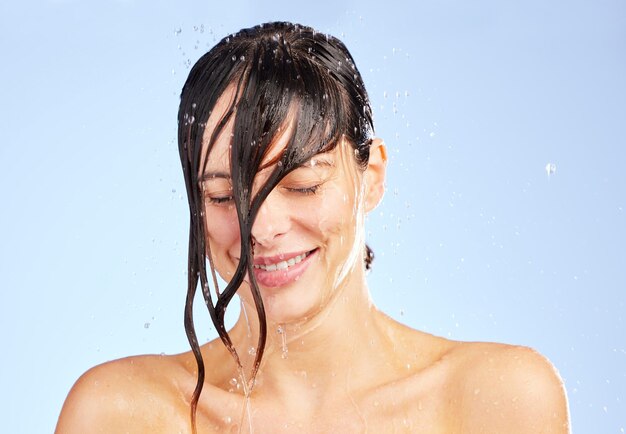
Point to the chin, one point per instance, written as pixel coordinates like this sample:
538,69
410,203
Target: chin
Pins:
289,308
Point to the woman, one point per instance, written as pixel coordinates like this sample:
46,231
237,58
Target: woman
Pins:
281,166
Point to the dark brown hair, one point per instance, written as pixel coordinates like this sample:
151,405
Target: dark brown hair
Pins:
283,73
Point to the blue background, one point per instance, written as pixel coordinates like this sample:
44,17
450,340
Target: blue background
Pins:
475,240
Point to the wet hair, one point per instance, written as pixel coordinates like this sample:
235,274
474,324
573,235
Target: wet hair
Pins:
282,74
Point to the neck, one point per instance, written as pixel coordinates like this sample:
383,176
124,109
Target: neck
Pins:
338,346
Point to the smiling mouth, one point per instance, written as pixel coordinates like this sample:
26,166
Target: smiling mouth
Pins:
277,271
283,265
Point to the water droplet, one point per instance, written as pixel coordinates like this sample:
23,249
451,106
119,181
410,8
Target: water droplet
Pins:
550,169
281,331
177,31
252,351
146,325
476,391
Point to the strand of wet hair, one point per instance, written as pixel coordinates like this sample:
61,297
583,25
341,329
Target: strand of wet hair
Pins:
197,270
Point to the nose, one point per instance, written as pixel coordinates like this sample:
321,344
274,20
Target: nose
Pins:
272,221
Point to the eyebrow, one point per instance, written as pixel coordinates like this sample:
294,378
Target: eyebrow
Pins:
320,161
213,175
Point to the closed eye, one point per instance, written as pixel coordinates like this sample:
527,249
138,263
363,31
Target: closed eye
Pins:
220,200
304,190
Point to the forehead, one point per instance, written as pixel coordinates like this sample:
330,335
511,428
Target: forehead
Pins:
221,144
219,156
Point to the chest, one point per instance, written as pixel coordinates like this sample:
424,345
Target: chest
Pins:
391,411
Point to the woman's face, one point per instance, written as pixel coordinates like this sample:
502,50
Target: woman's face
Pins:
307,233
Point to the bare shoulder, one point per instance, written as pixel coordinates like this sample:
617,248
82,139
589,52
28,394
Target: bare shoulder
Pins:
135,394
504,388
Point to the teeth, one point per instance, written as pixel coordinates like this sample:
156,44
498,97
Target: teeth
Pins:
283,265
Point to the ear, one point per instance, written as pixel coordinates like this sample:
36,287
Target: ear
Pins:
375,174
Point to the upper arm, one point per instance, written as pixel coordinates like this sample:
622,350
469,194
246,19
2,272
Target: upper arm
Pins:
515,390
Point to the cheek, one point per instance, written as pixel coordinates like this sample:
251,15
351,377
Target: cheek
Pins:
333,214
222,229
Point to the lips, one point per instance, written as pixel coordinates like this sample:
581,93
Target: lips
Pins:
280,270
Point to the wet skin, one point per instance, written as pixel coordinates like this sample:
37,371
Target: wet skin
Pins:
338,365
449,387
